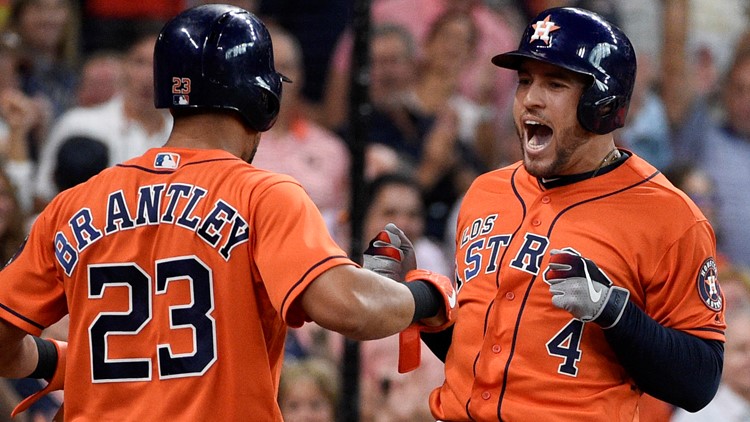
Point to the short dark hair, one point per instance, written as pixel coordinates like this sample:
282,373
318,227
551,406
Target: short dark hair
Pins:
78,159
376,185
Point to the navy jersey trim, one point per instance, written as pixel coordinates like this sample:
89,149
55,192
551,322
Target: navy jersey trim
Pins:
148,170
304,276
710,330
35,324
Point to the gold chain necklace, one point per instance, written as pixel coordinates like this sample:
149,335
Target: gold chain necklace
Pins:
611,157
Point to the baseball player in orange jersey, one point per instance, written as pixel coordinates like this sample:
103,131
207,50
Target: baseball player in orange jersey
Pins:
181,269
585,278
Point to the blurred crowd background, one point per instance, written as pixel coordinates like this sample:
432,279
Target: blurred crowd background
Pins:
76,97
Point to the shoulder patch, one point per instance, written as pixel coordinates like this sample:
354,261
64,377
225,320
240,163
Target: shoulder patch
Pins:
708,286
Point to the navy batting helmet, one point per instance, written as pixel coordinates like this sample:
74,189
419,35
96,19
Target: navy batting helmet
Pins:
583,42
218,56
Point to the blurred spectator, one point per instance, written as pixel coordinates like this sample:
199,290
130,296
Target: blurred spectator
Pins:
109,25
417,16
414,117
725,159
18,113
317,26
47,31
101,76
449,46
647,131
298,146
20,116
308,390
12,233
23,119
78,159
718,143
128,125
732,400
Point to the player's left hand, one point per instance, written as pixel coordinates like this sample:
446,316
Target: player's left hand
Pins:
581,288
390,254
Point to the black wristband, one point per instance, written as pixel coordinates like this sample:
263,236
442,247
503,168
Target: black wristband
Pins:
47,363
613,309
427,299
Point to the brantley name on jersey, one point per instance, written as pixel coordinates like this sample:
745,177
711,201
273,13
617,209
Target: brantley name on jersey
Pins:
222,227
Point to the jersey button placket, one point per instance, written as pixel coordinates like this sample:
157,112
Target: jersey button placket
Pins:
496,348
510,295
486,395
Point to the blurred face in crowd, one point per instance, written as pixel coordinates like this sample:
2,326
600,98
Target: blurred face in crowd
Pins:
451,43
100,80
398,204
737,354
288,61
8,206
138,69
391,69
42,23
304,401
737,97
544,111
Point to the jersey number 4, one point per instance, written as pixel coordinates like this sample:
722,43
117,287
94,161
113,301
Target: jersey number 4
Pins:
195,315
567,345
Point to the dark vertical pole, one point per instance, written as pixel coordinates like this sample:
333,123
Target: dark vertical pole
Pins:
359,116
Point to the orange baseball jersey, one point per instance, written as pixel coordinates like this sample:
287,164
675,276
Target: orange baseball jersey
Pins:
180,270
514,355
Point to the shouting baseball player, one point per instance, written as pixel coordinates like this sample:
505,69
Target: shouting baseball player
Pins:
585,277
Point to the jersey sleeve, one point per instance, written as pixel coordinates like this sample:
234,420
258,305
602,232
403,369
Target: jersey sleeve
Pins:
684,293
32,295
292,246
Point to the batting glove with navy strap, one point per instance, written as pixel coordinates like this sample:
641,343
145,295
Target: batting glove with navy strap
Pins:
391,254
581,288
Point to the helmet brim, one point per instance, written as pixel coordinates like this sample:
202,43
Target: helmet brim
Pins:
511,59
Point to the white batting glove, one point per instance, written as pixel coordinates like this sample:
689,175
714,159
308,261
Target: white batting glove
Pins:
390,253
581,288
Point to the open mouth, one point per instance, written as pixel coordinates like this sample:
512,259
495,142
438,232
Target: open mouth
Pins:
537,135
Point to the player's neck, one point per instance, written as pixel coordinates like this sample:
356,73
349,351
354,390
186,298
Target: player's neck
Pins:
211,131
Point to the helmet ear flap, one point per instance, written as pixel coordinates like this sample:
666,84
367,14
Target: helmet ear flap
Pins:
602,115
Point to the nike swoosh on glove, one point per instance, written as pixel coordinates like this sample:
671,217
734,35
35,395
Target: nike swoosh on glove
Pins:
581,288
57,382
390,254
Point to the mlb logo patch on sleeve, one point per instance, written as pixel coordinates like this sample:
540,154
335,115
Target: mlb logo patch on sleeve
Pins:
167,160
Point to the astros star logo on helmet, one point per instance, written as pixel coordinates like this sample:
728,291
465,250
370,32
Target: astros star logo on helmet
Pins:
542,30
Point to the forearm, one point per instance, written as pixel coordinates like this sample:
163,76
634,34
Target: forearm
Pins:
18,352
358,303
671,365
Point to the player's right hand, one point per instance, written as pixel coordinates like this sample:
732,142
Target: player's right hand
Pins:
57,382
581,288
390,254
